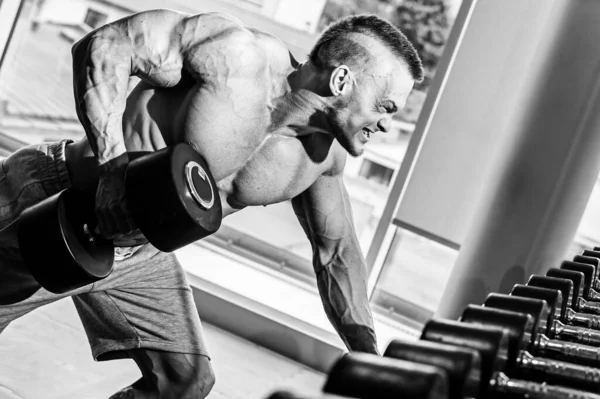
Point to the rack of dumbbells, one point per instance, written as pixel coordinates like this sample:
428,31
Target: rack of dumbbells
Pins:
540,341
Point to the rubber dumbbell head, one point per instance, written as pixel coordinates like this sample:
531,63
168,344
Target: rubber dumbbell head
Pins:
462,365
577,278
589,272
173,197
491,343
519,326
564,286
367,376
56,246
553,298
294,395
538,309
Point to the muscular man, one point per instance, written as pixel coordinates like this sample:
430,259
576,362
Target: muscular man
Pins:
270,128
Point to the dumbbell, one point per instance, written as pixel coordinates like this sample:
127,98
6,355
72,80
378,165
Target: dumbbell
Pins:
542,343
172,198
570,297
557,304
286,394
462,364
592,258
589,272
521,363
578,301
368,376
491,344
587,266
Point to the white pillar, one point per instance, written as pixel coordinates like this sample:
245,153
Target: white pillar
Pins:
540,181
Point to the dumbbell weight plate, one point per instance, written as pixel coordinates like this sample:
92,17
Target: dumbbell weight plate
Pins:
461,364
173,197
367,376
293,395
490,342
54,244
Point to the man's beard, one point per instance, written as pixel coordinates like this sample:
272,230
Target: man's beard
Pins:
347,141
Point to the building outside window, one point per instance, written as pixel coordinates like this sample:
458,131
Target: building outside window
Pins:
375,172
94,18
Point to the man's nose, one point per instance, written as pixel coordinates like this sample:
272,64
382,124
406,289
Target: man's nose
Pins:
385,124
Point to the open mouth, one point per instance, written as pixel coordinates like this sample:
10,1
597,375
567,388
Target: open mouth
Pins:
367,133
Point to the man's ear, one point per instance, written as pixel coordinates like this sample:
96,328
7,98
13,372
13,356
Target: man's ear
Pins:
340,80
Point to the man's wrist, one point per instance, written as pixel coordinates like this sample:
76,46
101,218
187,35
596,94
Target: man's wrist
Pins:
360,338
114,166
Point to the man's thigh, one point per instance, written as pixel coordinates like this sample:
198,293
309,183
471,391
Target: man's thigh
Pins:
146,303
27,176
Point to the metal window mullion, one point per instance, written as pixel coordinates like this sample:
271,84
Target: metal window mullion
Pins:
381,240
9,11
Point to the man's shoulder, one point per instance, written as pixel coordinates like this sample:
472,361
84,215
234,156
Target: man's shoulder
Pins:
232,36
273,47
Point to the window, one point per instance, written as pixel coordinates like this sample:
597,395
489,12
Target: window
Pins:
94,18
588,233
414,275
375,172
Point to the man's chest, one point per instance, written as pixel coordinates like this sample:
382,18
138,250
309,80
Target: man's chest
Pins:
280,169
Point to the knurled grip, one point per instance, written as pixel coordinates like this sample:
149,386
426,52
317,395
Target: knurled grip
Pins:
569,351
533,390
583,319
593,295
589,307
577,334
574,373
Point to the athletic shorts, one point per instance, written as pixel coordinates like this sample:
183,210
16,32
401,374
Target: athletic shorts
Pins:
145,303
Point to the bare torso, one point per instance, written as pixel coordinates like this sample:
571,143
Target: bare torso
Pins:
272,163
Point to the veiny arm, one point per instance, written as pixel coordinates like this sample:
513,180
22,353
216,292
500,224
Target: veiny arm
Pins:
148,45
325,213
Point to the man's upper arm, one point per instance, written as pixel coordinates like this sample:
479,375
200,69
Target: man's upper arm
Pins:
157,46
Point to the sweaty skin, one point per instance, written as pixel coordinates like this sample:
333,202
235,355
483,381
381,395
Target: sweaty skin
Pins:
227,91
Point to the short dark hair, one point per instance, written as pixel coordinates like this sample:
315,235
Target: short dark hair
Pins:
333,49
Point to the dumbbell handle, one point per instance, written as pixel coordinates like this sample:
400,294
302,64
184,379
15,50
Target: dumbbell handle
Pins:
568,351
533,390
577,334
582,319
564,372
593,295
586,306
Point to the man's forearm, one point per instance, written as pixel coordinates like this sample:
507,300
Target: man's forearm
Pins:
342,282
101,70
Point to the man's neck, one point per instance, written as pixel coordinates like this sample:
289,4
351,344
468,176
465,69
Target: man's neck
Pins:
304,106
309,77
302,110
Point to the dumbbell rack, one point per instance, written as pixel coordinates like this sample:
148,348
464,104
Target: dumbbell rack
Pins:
541,341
